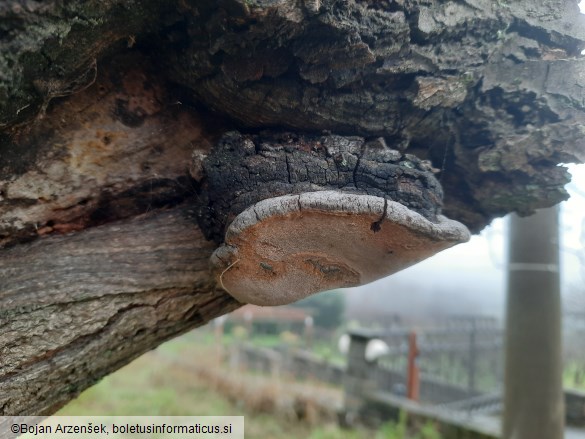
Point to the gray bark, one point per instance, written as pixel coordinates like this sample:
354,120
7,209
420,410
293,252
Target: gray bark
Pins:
75,308
490,92
534,402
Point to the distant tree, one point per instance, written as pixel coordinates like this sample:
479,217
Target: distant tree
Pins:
327,308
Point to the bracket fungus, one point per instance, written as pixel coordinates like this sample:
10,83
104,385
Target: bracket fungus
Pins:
296,215
283,249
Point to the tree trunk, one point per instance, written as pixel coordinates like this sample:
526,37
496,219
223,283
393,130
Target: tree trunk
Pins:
113,122
534,403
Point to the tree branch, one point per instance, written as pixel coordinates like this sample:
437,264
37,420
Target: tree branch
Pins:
74,308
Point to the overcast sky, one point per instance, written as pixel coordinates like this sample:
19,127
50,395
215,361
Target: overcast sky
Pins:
486,251
470,278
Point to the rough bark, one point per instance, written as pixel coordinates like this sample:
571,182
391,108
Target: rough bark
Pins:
118,149
108,110
242,170
74,308
491,92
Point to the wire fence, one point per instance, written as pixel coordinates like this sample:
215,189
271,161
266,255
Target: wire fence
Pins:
459,359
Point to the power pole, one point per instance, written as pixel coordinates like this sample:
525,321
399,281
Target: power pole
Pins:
534,402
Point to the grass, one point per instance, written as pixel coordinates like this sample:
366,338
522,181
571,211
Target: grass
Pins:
400,430
147,387
182,378
154,385
574,375
326,350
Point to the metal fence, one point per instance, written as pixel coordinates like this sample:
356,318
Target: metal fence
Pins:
457,360
456,366
461,358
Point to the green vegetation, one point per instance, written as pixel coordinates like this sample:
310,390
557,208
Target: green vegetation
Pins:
168,382
153,385
574,375
327,308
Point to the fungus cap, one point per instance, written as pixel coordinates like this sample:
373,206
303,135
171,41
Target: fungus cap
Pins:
286,248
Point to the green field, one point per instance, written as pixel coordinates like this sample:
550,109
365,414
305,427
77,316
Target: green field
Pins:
155,385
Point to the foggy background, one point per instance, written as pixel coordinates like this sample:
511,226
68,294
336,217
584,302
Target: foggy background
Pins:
470,278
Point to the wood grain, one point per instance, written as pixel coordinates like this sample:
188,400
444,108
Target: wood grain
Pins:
74,308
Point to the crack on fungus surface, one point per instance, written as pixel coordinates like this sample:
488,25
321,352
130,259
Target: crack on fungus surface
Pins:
377,225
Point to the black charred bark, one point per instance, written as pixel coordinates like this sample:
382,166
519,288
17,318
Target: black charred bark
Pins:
242,170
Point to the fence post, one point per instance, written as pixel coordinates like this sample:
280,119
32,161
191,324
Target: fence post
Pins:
413,383
358,374
308,332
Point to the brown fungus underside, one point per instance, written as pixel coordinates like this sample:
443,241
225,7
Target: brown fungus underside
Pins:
283,249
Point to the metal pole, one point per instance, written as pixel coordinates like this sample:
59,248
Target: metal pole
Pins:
413,385
533,402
